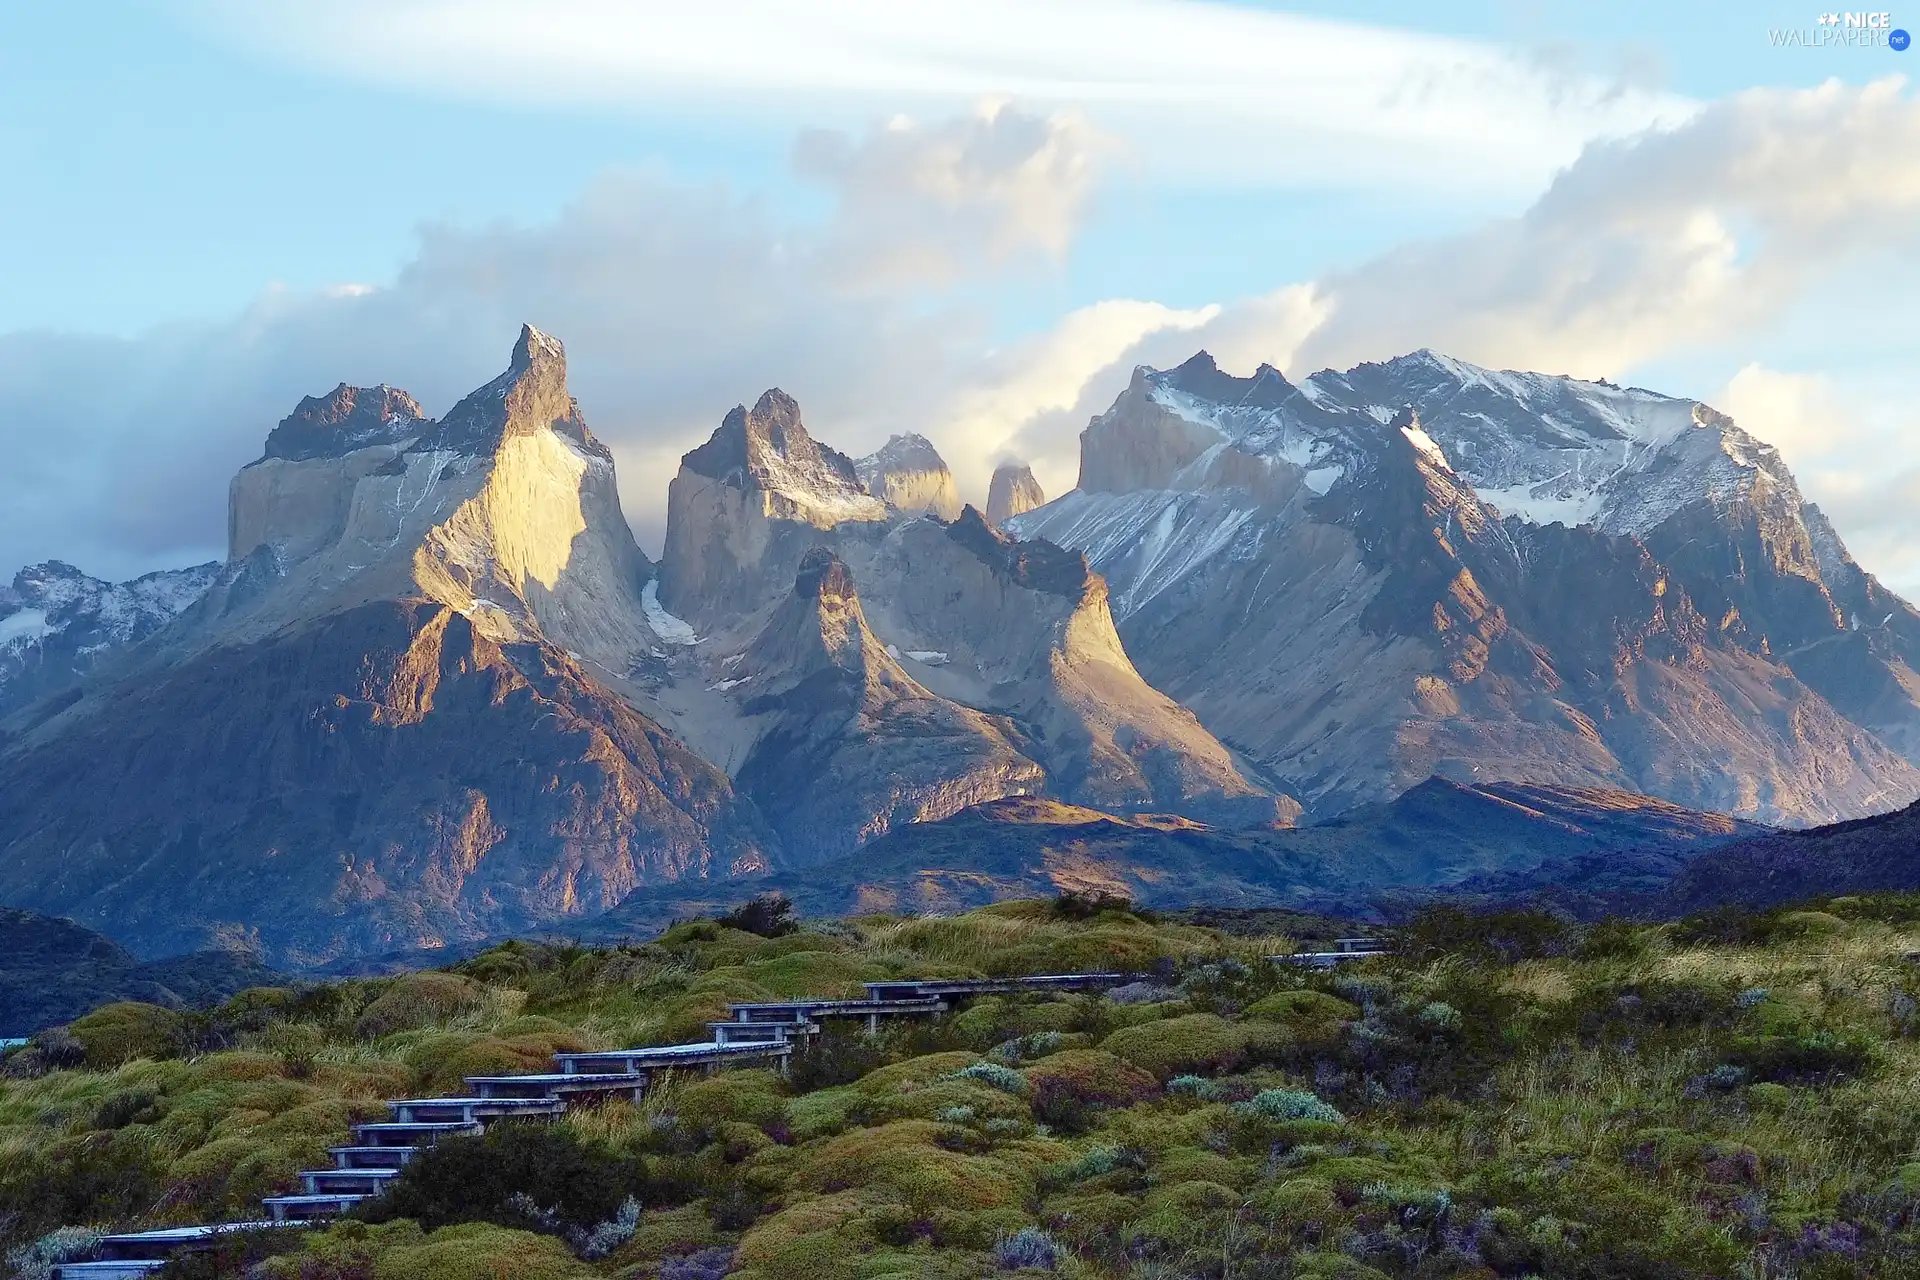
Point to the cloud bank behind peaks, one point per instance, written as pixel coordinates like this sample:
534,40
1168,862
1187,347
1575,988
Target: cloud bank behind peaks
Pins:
675,304
1652,243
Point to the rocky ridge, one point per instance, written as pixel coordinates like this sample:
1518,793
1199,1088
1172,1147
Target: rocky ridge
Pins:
390,721
442,694
58,626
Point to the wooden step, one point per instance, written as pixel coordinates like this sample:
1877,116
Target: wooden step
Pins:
352,1182
164,1241
471,1110
371,1157
730,1032
308,1208
559,1085
708,1054
109,1269
949,989
393,1133
796,1011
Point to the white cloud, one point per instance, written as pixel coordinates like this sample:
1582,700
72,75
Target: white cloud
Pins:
1029,402
1652,243
920,203
1202,90
1852,452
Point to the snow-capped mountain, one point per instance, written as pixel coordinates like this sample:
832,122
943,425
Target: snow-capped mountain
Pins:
1422,566
57,625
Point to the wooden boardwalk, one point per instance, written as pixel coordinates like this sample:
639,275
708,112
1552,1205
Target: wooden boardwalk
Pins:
753,1034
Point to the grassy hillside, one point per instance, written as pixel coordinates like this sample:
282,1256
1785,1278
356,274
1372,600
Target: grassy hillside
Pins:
1736,1095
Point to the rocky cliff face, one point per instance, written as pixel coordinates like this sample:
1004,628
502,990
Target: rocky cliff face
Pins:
746,505
1012,492
506,510
1421,568
58,626
908,474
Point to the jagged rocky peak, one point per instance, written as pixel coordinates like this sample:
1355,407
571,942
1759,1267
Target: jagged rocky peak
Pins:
1546,578
909,474
819,624
345,419
1033,563
766,450
1196,427
506,510
1013,492
748,504
530,397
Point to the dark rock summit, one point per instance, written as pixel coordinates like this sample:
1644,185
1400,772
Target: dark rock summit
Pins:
345,419
857,745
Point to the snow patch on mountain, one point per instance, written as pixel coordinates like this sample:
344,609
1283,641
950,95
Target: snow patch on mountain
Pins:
669,628
57,624
1147,541
20,629
1424,443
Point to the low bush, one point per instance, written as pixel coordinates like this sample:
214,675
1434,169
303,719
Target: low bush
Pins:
498,1176
417,1000
119,1032
1201,1043
767,916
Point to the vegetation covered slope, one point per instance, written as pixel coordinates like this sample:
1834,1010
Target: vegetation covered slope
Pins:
1734,1095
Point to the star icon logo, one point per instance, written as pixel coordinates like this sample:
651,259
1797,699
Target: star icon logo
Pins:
1829,19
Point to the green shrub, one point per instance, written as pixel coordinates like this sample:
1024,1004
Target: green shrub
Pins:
127,1029
37,1261
1200,1043
768,916
1313,1017
1502,936
418,1000
994,1076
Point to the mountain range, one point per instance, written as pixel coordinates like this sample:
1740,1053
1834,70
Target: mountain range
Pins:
436,691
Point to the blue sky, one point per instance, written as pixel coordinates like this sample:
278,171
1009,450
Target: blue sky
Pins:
158,170
214,207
